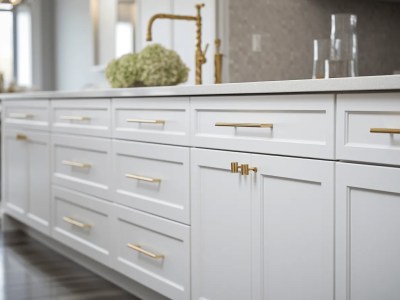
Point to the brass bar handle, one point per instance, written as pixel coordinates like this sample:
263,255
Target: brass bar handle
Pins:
76,164
245,170
74,118
142,178
385,130
21,137
76,223
253,125
139,249
20,116
145,121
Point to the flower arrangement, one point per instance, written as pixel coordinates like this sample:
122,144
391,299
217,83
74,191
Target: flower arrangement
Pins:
153,66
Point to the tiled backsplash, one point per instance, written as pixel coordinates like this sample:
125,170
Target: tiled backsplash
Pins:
288,27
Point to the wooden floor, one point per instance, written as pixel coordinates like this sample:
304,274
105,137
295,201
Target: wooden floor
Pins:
30,270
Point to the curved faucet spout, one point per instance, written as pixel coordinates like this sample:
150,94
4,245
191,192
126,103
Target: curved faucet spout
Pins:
165,16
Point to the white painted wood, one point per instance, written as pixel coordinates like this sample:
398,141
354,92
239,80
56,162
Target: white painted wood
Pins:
174,111
303,125
356,115
81,117
170,275
27,177
96,152
296,199
222,227
168,198
95,241
367,232
29,114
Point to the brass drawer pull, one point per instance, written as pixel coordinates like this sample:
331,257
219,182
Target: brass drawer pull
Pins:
76,164
20,116
21,137
145,121
74,118
139,249
76,223
244,169
147,179
254,125
385,130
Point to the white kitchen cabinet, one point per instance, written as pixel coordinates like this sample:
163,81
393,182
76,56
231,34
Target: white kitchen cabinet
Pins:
26,166
266,235
367,232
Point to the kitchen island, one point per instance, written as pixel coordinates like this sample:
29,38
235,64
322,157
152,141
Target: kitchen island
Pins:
269,190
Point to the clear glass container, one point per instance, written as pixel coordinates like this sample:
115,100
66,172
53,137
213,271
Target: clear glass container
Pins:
344,47
321,58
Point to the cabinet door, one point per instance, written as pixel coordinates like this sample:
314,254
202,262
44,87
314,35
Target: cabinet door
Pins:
26,177
297,234
15,161
367,232
222,228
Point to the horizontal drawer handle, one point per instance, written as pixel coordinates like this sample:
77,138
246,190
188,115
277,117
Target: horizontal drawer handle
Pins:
21,137
76,223
145,121
139,249
147,179
385,130
75,118
20,116
254,125
76,164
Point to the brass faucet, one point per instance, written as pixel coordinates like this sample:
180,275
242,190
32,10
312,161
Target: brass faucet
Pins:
200,55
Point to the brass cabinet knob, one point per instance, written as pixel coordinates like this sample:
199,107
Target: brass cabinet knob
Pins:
245,170
235,167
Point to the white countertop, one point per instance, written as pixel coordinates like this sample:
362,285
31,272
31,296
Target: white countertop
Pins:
337,85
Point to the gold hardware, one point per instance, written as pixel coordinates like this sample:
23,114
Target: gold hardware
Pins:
244,169
76,164
20,116
255,125
385,130
75,118
147,179
139,249
21,137
218,62
77,223
145,121
200,55
235,167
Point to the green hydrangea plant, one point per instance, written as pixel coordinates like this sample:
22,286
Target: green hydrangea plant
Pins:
153,66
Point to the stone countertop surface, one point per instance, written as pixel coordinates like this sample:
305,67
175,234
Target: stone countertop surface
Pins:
333,85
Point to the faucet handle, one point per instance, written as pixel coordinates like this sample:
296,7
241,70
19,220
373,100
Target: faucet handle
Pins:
206,49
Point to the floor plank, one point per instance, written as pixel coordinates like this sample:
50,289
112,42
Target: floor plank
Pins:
30,270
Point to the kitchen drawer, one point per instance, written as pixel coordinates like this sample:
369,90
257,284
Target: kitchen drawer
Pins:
296,125
30,114
82,164
153,251
83,223
368,127
84,117
152,178
161,120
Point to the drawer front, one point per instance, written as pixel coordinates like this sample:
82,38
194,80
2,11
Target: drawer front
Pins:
297,125
83,223
31,114
152,178
82,164
368,127
162,120
84,117
153,251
